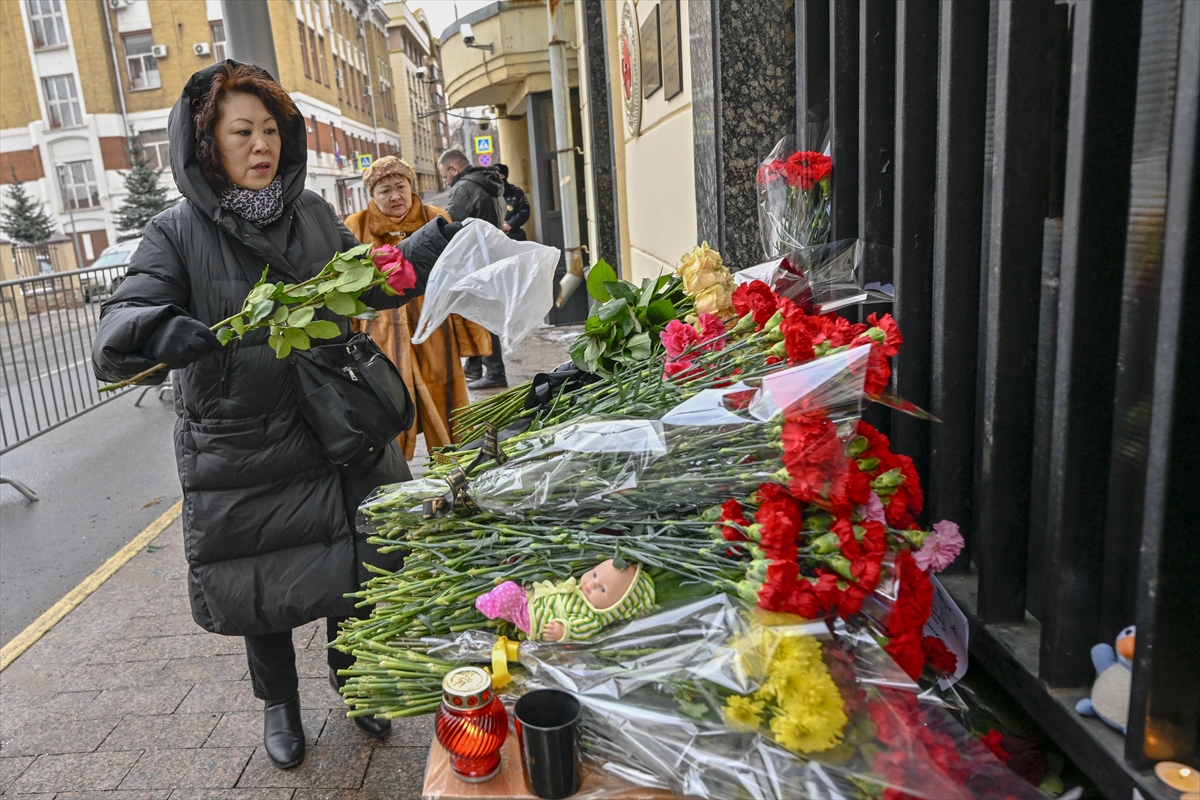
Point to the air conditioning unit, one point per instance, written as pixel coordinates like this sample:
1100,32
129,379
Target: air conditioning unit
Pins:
202,48
366,91
117,5
337,76
159,51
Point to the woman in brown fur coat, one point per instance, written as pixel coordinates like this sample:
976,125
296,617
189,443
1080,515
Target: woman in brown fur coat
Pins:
432,370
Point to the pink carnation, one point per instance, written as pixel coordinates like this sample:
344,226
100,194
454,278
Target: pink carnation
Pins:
712,331
677,337
941,547
872,510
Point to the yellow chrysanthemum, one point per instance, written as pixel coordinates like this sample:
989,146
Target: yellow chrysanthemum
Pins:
742,713
807,713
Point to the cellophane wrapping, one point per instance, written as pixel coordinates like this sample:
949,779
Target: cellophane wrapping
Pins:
658,693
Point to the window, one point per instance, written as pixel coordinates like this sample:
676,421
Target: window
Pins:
304,49
77,179
218,41
46,20
312,42
157,147
62,104
317,135
321,50
143,66
441,128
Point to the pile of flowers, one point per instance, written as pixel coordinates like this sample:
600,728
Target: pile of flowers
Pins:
731,463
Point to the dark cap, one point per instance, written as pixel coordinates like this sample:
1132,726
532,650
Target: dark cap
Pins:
502,169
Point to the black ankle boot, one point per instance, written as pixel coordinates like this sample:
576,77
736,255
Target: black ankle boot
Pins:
283,732
372,726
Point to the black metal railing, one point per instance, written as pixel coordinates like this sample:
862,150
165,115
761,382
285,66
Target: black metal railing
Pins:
1033,164
47,324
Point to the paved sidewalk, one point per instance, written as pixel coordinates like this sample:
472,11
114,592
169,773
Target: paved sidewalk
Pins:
126,698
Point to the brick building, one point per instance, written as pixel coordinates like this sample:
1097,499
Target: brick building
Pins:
65,109
420,102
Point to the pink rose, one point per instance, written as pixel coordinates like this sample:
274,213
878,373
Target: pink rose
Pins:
677,337
940,548
399,270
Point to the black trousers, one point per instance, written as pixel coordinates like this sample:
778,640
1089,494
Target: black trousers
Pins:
272,659
493,364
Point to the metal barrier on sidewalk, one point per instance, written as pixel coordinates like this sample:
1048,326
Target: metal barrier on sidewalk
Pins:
47,325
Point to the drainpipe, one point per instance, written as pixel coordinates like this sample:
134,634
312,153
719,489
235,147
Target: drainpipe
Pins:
112,46
565,146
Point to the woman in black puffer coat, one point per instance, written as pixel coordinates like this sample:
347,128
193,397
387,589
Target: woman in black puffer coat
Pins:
268,521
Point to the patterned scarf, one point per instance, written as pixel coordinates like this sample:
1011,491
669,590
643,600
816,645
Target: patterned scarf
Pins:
260,207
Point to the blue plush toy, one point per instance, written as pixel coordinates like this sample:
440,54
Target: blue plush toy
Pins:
1114,677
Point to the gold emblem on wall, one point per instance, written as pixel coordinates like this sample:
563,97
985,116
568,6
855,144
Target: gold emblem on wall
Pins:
631,68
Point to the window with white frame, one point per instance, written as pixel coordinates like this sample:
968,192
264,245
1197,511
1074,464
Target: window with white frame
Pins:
139,58
46,21
218,41
157,147
77,179
62,103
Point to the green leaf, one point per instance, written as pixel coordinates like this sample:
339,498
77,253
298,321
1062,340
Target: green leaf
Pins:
238,324
354,279
638,346
576,351
297,338
600,274
324,287
612,310
648,287
300,317
594,325
260,292
280,345
280,316
260,310
224,335
339,303
624,290
358,252
592,353
322,329
661,311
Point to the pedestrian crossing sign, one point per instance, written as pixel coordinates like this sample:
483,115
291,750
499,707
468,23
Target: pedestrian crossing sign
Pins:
364,162
483,145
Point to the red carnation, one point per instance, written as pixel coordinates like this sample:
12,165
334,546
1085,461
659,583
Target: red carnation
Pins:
938,655
807,168
781,582
780,521
905,650
731,511
755,296
891,344
991,740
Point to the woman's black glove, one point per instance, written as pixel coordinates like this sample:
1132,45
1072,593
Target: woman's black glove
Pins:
179,341
451,228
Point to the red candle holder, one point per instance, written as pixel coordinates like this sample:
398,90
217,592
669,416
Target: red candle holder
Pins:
471,724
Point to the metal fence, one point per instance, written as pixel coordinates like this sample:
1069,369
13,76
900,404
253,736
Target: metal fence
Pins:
47,324
1034,165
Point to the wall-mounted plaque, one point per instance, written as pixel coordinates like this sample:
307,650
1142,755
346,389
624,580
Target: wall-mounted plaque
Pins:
631,68
672,55
651,66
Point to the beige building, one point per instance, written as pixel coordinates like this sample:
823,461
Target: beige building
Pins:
415,67
79,74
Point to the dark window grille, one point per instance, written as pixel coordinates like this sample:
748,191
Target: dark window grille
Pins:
1034,164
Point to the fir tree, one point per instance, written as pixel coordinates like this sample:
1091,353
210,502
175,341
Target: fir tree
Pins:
26,220
145,196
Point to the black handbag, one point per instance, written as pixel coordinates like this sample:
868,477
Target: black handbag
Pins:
352,397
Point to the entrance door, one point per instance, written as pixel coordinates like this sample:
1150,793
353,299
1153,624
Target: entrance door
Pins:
546,198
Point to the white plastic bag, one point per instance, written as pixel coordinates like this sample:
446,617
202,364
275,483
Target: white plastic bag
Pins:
504,285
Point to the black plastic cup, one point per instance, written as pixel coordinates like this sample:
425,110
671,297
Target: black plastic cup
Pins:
548,730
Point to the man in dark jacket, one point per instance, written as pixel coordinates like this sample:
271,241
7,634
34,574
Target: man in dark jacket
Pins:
476,192
518,207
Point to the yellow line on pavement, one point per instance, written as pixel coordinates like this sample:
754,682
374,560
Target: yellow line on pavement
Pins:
42,625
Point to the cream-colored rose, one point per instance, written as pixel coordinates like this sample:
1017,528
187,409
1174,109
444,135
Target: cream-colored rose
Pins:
704,258
714,300
696,279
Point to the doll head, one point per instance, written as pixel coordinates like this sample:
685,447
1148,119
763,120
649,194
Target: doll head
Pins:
604,585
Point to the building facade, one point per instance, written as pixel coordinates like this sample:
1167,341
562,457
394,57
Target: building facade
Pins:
417,72
81,75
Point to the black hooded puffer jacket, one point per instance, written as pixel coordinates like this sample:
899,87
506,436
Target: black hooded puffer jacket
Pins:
268,522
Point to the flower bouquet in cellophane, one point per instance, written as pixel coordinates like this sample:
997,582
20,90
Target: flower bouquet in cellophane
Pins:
794,191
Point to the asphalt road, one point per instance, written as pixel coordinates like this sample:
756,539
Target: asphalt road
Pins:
102,478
